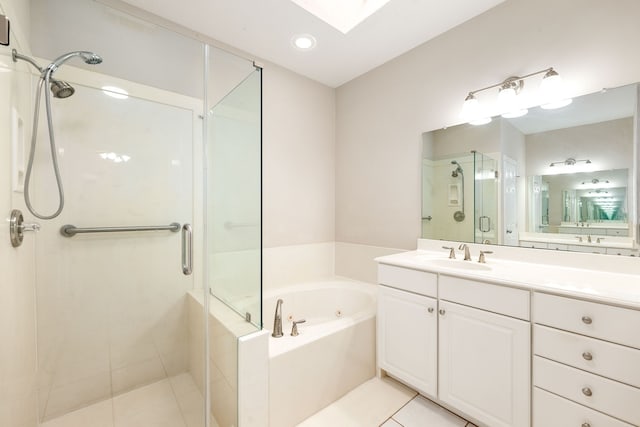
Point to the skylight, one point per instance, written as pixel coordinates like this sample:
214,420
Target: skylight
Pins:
343,15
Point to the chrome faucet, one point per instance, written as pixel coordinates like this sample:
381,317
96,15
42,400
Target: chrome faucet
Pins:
467,255
294,329
481,258
452,251
277,320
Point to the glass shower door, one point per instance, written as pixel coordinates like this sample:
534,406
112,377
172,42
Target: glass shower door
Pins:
233,223
485,199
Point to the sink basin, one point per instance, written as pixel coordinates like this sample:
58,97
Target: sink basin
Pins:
459,264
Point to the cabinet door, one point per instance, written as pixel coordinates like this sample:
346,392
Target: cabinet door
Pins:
407,338
485,365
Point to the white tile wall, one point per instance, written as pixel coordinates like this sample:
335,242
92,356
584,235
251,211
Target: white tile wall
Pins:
17,265
111,307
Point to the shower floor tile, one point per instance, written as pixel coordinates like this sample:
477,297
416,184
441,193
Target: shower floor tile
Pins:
173,402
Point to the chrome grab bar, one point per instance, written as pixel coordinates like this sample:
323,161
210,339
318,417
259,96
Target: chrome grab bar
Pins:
187,249
71,230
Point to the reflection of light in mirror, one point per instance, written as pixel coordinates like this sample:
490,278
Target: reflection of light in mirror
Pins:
485,174
116,158
556,104
481,121
115,92
175,162
515,114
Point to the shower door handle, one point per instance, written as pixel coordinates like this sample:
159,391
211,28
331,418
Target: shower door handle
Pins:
484,224
187,249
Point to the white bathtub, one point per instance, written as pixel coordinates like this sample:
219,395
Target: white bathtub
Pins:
333,353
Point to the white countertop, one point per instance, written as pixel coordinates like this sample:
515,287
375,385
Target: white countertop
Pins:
622,289
567,239
586,226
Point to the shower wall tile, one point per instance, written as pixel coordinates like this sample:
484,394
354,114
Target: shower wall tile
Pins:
111,307
18,398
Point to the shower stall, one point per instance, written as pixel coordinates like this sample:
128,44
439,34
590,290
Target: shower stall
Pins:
146,270
460,197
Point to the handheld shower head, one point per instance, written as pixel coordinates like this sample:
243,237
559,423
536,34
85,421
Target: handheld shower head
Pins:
88,57
457,170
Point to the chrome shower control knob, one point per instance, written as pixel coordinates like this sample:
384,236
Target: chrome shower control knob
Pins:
17,227
586,320
587,392
587,356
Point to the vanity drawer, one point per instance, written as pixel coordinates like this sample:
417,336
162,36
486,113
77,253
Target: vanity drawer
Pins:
622,252
588,249
534,245
615,324
558,247
613,361
485,296
550,410
419,282
604,395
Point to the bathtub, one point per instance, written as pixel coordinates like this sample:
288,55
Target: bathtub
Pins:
333,353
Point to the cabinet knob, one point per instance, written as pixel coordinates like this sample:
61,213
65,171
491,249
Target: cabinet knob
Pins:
586,425
441,311
587,356
430,309
587,320
587,391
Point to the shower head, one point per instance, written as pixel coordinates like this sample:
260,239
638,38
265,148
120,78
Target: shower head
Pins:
88,57
457,170
61,89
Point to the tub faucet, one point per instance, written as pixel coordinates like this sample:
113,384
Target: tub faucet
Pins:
277,320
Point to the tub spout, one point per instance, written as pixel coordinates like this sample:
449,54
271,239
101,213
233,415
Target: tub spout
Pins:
277,320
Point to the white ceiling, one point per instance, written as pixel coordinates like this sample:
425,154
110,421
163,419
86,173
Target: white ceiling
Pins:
264,28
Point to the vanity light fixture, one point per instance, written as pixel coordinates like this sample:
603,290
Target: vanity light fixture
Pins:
570,162
508,91
595,181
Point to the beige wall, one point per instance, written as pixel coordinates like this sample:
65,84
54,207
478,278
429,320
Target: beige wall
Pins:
298,159
382,114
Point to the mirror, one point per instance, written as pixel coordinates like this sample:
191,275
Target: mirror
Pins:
560,179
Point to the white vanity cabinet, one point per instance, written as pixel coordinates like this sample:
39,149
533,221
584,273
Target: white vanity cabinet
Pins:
408,327
462,342
586,363
484,351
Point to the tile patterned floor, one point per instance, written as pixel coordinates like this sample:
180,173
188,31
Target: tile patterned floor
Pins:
172,402
176,402
386,403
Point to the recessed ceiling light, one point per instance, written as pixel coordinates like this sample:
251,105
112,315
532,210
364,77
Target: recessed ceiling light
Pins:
304,41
